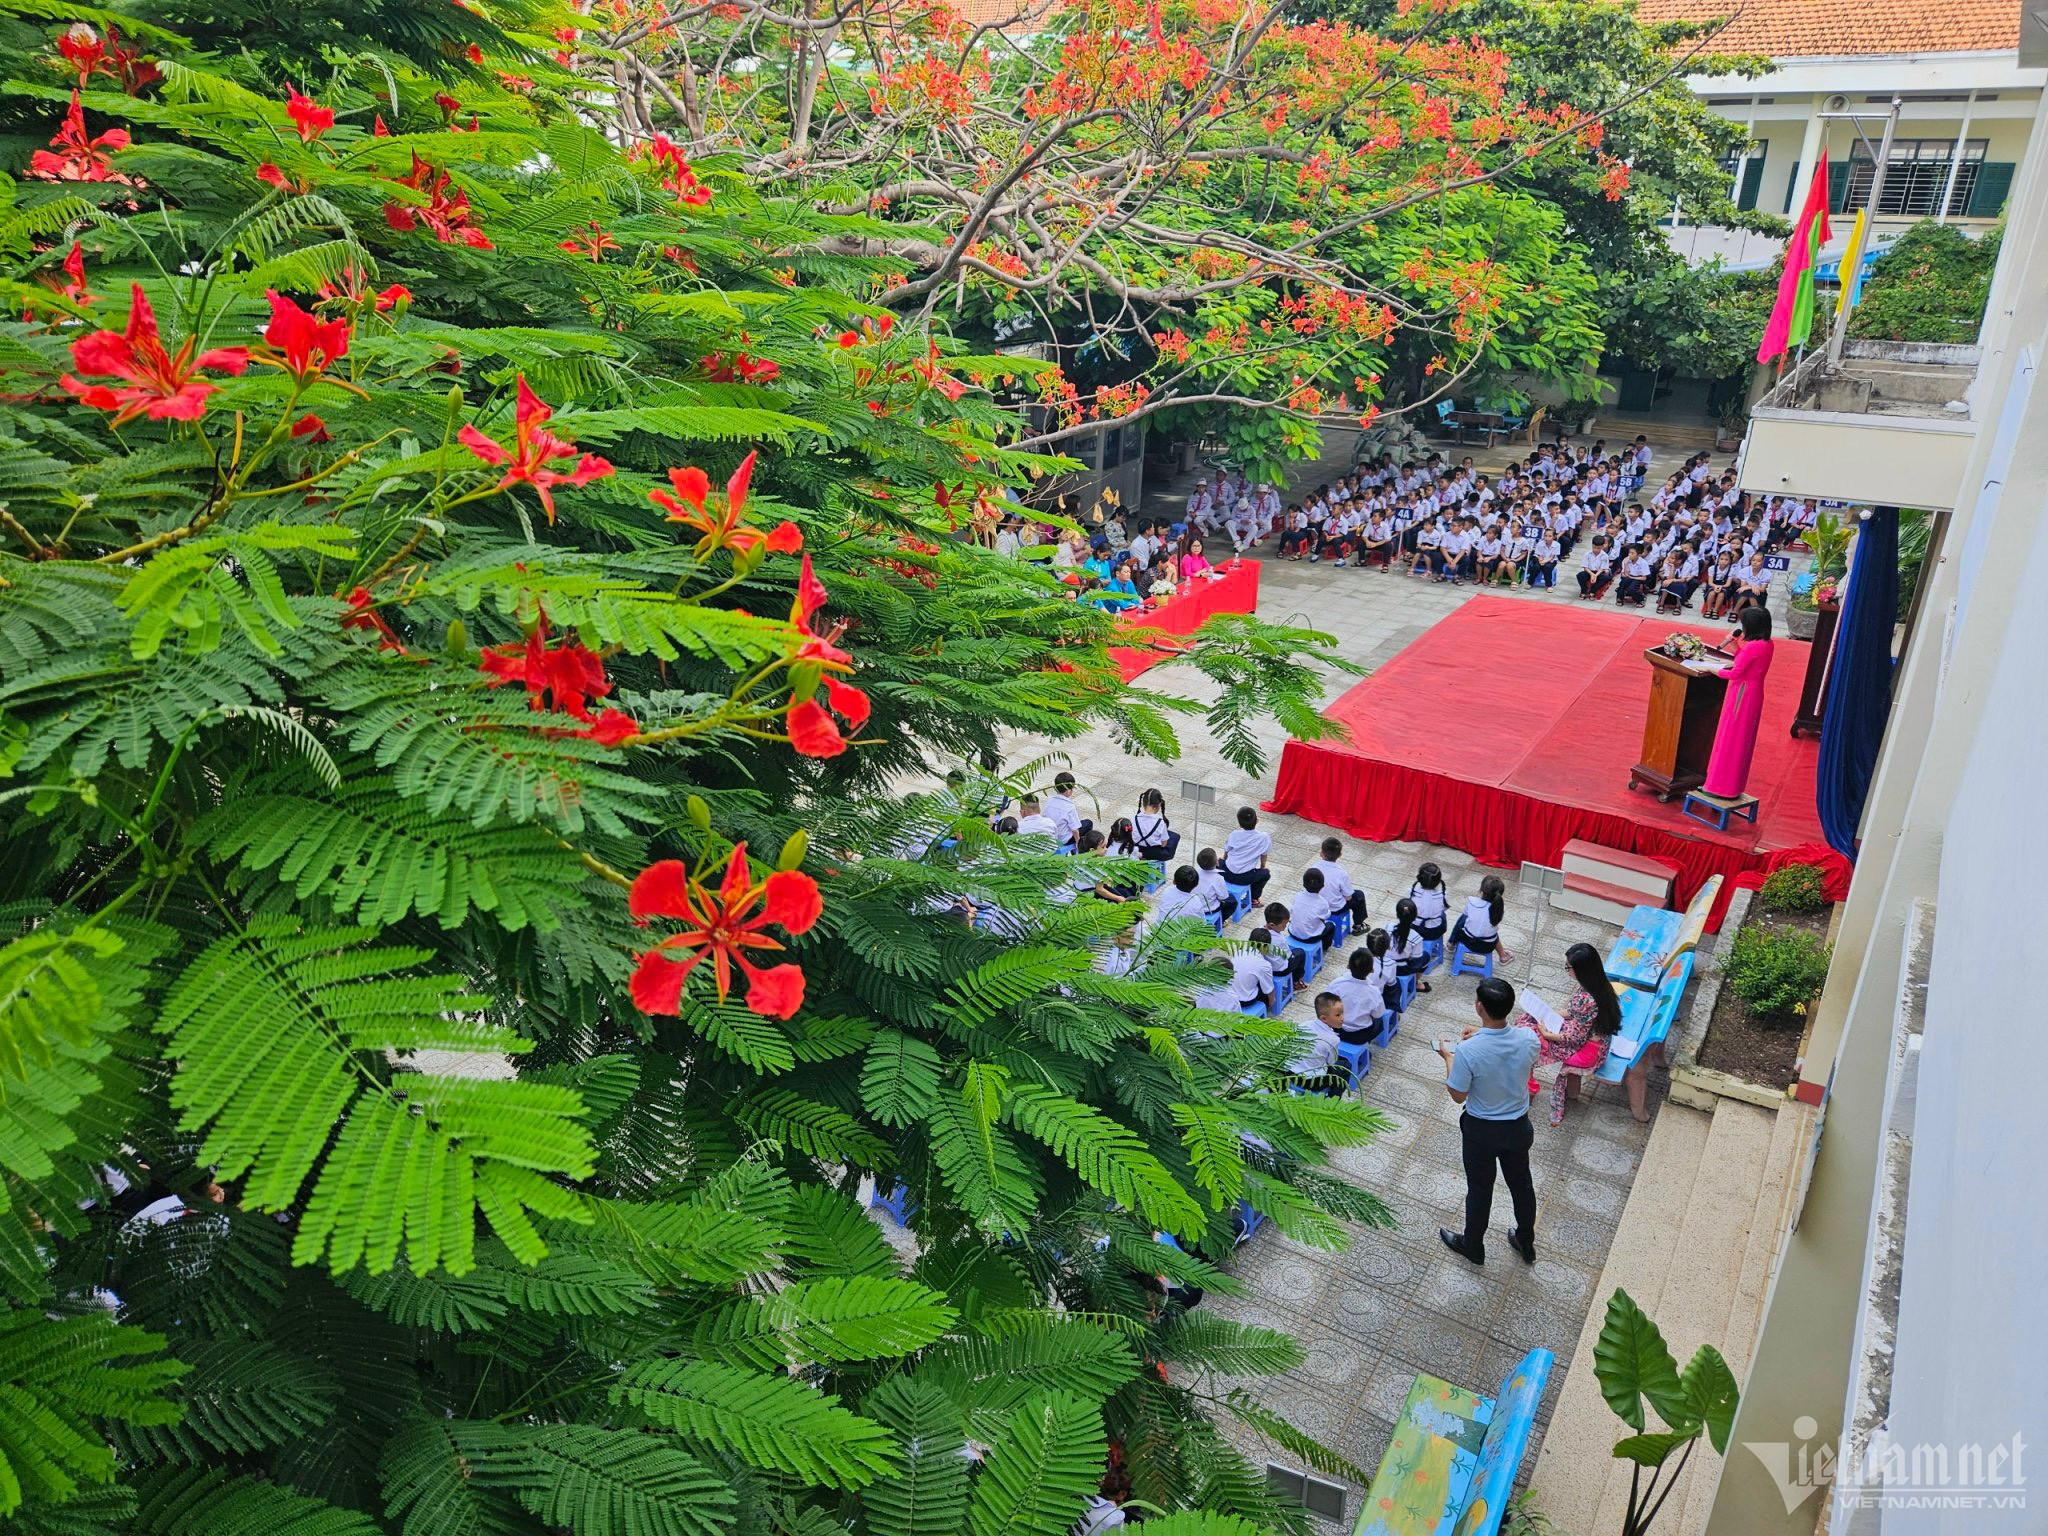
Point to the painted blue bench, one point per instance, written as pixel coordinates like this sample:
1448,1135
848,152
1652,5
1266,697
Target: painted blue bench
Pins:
1654,936
1451,1465
1646,1019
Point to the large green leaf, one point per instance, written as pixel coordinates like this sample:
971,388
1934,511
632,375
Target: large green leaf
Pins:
1632,1363
1038,1478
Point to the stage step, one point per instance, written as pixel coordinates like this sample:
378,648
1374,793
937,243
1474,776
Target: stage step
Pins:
1651,879
1601,900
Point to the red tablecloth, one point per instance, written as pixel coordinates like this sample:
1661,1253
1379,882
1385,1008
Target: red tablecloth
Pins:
1184,613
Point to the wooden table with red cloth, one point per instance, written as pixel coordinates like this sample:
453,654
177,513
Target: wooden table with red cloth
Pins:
1235,591
1509,728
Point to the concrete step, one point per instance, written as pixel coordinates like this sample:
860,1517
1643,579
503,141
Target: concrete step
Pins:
1712,1241
1571,1469
1768,1221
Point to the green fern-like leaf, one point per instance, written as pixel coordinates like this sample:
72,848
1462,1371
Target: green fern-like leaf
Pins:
1106,1154
211,1503
839,1318
927,1494
772,1422
1037,1479
900,1081
58,1378
417,1156
604,1482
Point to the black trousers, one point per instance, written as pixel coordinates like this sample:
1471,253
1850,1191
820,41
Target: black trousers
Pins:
1491,1145
1355,905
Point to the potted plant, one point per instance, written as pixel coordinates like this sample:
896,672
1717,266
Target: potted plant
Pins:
1820,586
1733,416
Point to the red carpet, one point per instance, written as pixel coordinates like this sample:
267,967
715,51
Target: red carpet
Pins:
1509,729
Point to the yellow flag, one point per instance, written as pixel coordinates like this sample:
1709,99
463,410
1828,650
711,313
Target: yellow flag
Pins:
1850,260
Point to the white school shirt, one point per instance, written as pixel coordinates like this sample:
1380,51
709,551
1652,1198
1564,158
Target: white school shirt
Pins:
1430,905
1363,1002
1007,543
1175,902
1210,883
1478,919
1064,815
1243,849
1337,886
1040,825
1318,1048
1490,548
1307,914
1385,970
1251,977
1412,950
1148,829
1548,551
1637,569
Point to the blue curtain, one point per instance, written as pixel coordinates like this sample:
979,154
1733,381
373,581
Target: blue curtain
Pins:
1859,682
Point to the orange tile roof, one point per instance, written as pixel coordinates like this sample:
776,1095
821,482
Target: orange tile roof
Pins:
1786,29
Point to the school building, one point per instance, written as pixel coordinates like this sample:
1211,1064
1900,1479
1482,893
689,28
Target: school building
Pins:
1967,103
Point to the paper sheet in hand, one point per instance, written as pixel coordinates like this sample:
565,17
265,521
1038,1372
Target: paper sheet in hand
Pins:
1542,1012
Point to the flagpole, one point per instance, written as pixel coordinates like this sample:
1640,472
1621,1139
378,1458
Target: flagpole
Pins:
1840,333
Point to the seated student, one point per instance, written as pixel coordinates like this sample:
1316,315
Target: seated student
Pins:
1251,980
1489,552
1752,582
1294,539
1218,894
1636,572
1478,926
1337,883
1719,587
1383,970
1318,1058
1286,960
1671,583
1596,570
1033,822
1460,562
1429,539
1059,805
1365,1005
1093,842
1404,942
1542,561
1380,542
1432,906
1183,898
1308,914
1244,854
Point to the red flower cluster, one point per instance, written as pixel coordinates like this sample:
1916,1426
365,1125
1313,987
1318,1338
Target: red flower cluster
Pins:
161,385
676,174
533,449
724,925
564,679
723,528
82,51
355,291
811,728
75,155
592,242
740,368
447,211
308,116
363,614
302,346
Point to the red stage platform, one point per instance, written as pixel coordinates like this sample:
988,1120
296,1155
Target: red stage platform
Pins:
1509,729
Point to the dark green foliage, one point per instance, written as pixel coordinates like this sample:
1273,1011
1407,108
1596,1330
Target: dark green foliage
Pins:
1777,971
1931,284
1795,888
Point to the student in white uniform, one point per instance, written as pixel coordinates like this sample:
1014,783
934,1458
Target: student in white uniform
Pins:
1432,903
1251,981
1213,888
1059,805
1319,1045
1183,898
1478,926
1365,1005
1308,914
1033,822
1244,854
1337,886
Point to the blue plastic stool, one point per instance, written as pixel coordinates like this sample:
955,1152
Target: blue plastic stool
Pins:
1311,952
1283,993
1215,921
1432,955
1356,1061
1248,1222
1158,877
1715,811
1466,962
897,1203
1242,895
1340,926
1407,991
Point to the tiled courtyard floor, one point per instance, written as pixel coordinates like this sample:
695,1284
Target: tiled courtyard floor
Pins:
1396,1302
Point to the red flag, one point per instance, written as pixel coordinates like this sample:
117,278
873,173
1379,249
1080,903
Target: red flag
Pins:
1808,237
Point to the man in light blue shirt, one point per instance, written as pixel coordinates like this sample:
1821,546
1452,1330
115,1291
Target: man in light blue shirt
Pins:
1488,1073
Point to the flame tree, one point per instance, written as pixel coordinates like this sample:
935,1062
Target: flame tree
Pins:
467,597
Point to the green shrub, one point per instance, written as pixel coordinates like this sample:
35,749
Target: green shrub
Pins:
1777,971
1795,888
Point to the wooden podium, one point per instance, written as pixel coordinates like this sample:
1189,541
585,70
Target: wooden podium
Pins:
1678,731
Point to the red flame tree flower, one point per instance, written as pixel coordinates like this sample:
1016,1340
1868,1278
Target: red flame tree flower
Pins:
161,385
722,527
724,925
533,449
